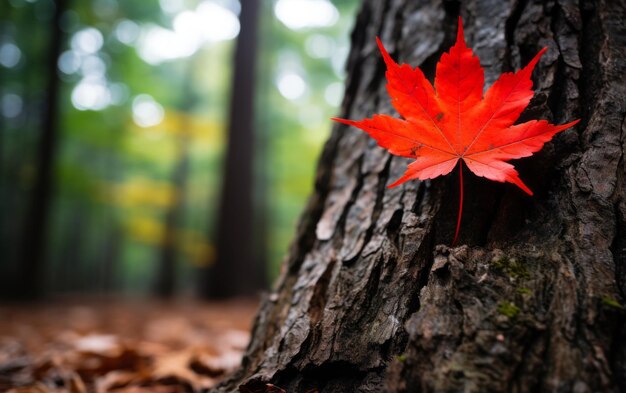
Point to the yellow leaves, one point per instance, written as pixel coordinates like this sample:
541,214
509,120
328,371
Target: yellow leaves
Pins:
158,144
199,129
192,244
195,246
143,202
146,230
141,192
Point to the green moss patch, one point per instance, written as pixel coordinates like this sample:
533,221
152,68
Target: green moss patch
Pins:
609,301
512,267
508,309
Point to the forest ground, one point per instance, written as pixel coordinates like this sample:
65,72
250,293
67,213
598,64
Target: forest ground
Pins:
122,346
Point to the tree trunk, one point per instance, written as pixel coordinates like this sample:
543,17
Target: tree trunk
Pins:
238,271
371,298
166,274
33,242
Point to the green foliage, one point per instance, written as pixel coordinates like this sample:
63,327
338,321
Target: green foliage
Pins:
114,178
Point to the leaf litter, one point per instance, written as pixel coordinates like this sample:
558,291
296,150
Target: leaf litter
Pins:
99,346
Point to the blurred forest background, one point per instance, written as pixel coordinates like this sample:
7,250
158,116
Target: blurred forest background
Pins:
115,117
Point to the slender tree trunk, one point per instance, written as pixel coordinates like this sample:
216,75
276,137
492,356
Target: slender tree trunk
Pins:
166,275
36,221
6,11
238,270
71,264
6,188
371,298
110,258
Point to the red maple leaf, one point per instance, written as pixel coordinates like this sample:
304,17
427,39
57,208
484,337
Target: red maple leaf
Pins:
454,122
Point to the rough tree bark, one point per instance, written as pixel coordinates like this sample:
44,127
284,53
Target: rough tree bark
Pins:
371,298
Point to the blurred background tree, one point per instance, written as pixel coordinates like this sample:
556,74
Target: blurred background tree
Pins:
113,122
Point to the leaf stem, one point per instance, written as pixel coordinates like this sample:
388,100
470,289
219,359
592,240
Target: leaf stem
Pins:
458,221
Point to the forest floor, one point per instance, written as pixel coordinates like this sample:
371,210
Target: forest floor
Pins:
111,345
